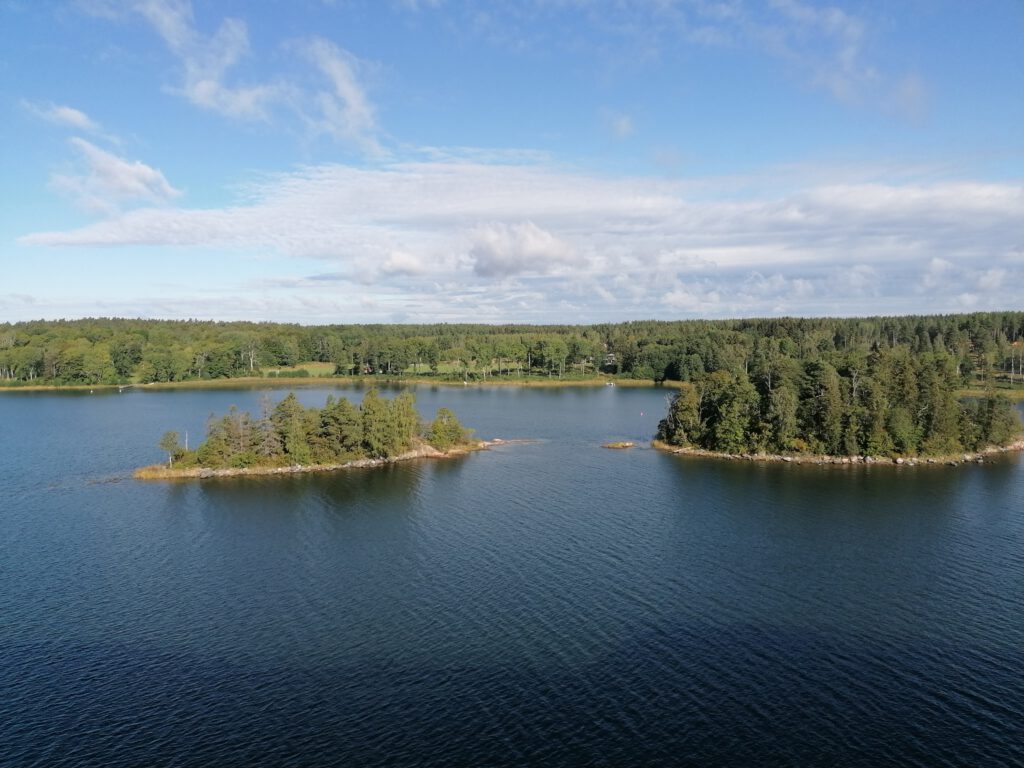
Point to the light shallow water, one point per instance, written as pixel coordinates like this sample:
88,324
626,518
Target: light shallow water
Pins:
551,603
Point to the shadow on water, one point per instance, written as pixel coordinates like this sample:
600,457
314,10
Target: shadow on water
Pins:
387,484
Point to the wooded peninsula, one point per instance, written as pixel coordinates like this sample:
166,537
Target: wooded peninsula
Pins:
983,348
289,437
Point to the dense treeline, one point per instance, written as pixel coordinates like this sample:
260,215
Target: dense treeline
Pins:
289,433
887,401
981,347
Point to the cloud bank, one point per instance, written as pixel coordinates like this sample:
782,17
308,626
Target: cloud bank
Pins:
587,246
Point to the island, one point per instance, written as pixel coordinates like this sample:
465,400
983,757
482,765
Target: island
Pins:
288,438
877,404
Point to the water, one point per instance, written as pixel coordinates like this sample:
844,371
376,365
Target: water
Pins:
549,603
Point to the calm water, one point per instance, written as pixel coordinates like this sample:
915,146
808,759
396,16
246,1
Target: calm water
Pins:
552,603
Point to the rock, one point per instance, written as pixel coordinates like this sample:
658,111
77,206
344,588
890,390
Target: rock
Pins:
899,460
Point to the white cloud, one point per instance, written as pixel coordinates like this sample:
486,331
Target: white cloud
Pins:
345,112
938,273
206,61
692,299
209,63
403,263
407,232
857,280
66,116
503,250
967,300
992,279
108,181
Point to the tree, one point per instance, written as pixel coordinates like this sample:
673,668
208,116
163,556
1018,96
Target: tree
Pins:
737,409
289,419
342,428
940,408
822,407
782,418
268,442
377,440
169,443
404,421
445,430
997,422
682,425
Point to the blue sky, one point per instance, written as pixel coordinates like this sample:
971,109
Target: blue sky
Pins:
531,161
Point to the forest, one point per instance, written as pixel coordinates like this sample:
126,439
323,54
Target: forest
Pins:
288,433
885,402
981,349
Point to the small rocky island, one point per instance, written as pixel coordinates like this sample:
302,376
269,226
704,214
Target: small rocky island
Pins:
289,438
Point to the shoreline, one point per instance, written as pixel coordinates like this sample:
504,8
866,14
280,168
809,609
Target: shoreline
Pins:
262,382
343,382
970,457
424,451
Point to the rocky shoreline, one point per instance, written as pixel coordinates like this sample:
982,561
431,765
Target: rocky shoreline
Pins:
424,451
975,457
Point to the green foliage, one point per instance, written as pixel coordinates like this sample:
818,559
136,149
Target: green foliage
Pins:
377,442
887,402
682,425
170,445
733,429
981,347
445,431
993,420
289,433
876,385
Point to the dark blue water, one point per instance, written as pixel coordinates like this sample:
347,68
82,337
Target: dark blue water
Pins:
549,603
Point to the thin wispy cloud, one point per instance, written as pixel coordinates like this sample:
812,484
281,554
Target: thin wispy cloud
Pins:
209,65
345,111
823,45
106,182
63,115
207,61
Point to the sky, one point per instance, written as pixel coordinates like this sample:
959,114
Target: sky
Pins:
531,161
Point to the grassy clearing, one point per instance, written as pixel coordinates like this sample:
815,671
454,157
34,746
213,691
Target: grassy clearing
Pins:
313,368
1016,394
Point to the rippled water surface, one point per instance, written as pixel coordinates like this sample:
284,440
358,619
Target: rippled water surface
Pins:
547,603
